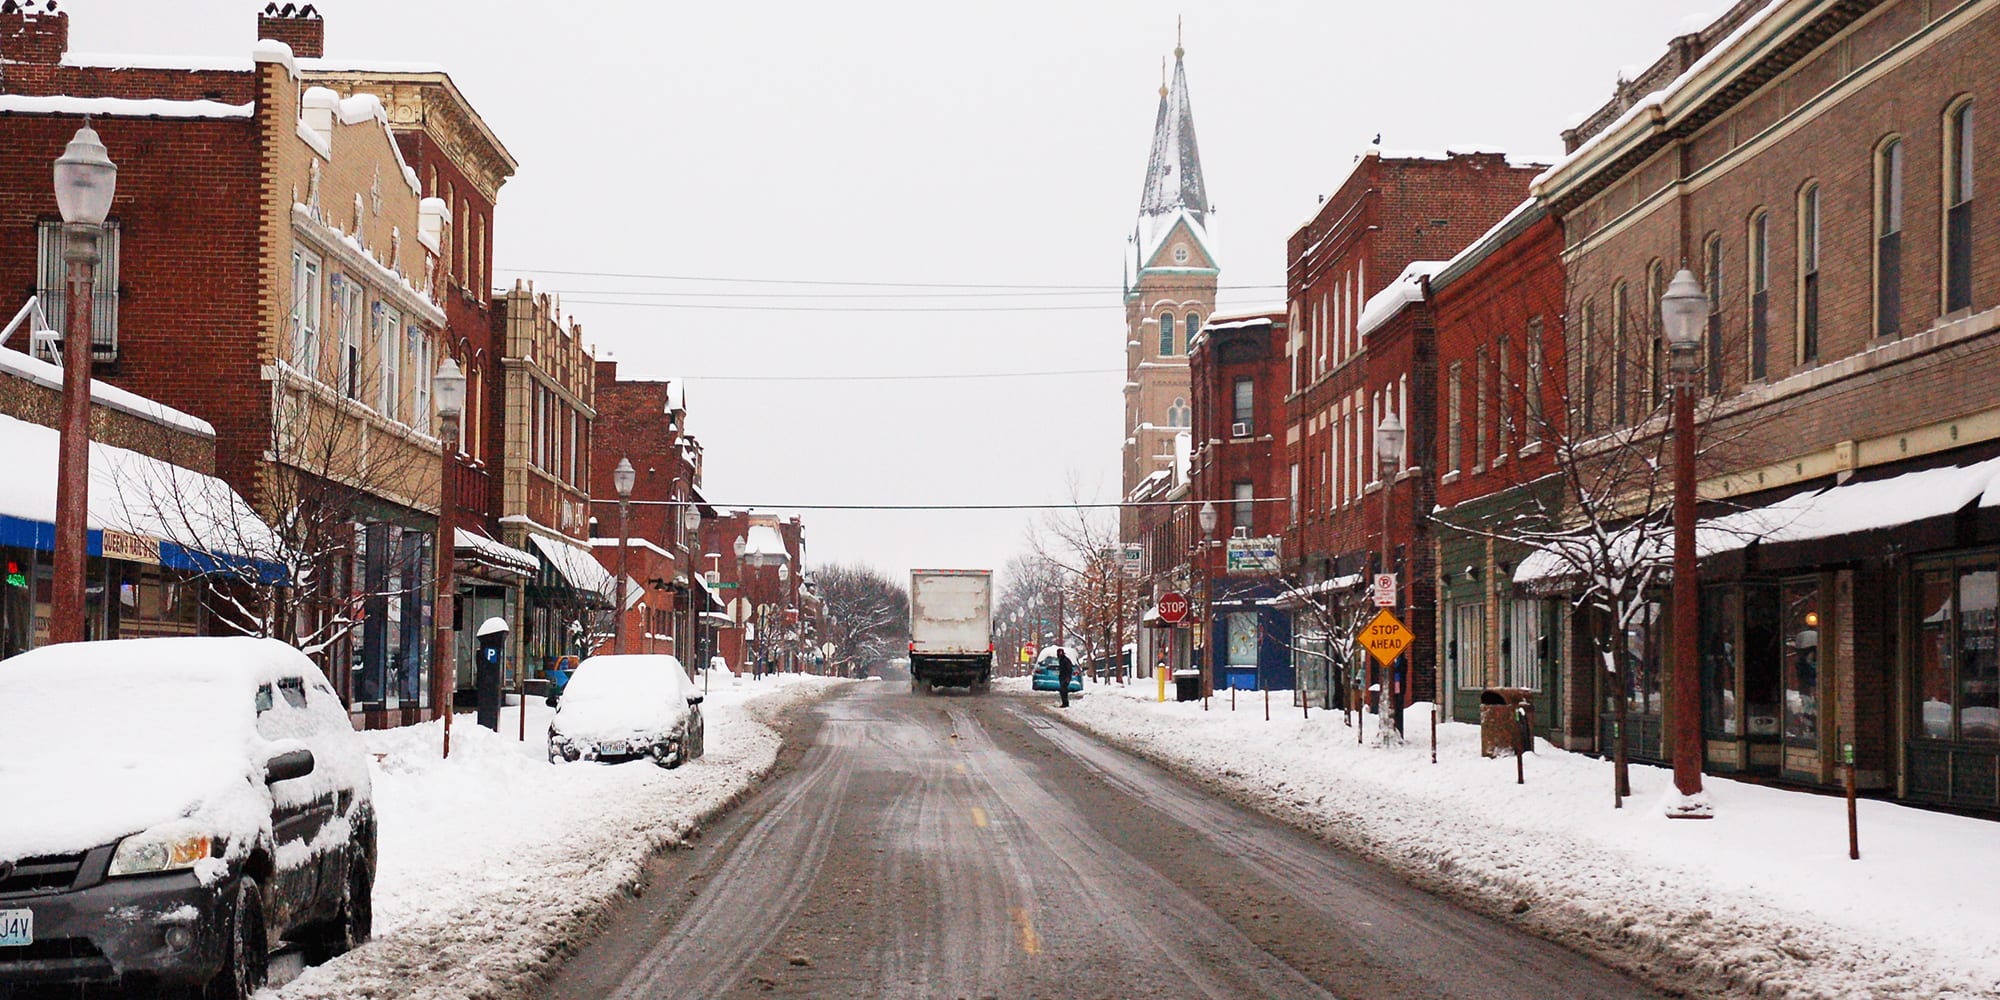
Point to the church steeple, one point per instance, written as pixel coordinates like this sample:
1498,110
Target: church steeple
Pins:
1173,173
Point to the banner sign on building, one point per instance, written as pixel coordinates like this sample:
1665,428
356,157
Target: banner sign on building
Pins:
1253,557
131,548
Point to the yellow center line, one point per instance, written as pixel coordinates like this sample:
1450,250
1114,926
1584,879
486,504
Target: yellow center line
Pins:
979,817
1030,942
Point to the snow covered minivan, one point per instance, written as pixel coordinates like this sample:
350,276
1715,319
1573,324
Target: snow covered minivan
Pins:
171,809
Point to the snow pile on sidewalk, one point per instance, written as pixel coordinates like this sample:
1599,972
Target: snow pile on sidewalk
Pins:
492,862
1761,900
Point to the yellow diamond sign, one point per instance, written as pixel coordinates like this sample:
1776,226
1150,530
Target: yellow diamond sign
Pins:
1385,637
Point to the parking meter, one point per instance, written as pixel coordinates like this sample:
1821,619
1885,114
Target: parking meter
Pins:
492,642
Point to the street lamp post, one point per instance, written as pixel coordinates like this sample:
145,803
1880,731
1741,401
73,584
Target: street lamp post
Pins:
1207,517
691,525
1389,437
85,179
622,479
448,390
1682,309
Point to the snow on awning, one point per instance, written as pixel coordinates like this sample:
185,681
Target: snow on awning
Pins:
1295,596
195,521
496,553
1815,514
575,564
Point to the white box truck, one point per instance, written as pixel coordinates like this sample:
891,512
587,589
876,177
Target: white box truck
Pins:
951,629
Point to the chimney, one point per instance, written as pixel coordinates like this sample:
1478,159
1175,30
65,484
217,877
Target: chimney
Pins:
297,26
31,35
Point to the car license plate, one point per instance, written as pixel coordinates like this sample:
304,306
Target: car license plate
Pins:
17,927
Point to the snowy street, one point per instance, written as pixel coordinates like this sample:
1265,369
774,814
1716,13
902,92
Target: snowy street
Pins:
1761,899
495,862
972,846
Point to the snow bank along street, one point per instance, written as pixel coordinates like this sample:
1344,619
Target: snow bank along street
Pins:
1761,900
492,862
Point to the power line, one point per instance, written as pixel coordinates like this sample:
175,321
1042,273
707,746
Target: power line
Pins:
1099,307
838,284
952,376
1113,505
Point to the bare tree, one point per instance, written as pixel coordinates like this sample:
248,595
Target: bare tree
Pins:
867,613
1082,546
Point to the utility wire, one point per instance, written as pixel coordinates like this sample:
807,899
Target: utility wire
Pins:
1099,307
531,271
1113,505
899,378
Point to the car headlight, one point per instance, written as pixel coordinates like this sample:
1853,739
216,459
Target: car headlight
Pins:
145,853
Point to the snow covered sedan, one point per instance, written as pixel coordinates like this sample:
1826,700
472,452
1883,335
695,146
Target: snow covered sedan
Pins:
173,809
620,707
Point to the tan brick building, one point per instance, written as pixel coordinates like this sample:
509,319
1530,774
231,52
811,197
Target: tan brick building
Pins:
1821,166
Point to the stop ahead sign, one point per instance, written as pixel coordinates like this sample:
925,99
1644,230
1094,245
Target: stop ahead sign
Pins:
1173,607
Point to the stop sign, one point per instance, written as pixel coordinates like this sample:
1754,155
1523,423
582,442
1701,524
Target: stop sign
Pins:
1173,608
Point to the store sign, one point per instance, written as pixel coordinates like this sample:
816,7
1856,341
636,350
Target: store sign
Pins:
1253,557
131,548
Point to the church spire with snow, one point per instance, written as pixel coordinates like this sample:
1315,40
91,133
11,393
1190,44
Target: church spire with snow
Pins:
1173,173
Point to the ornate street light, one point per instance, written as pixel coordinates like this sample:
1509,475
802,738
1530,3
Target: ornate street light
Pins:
622,479
85,179
1682,309
1208,518
1389,438
691,527
448,392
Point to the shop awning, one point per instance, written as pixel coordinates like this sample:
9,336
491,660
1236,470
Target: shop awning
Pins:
575,564
493,553
1825,518
155,511
1295,596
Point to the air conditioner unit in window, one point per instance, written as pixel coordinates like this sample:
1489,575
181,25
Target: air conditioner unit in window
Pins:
1241,531
1239,429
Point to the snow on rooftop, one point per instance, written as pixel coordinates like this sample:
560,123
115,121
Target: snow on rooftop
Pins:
120,107
267,50
34,369
763,539
1406,289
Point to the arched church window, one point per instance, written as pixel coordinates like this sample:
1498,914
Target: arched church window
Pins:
1167,334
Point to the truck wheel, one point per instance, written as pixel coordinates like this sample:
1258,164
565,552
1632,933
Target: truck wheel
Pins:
981,686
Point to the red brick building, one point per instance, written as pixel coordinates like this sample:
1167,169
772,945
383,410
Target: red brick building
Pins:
1389,212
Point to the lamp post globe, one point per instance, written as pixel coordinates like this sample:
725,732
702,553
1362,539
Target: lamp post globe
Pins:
448,388
85,180
1208,517
1683,307
1389,437
623,478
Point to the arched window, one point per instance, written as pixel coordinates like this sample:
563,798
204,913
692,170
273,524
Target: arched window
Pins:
1177,414
1193,326
1167,334
1889,237
1958,206
1586,368
1759,259
1808,290
1712,267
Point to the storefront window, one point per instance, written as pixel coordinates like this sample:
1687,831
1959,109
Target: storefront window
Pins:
1934,655
1721,609
1642,684
1802,630
1522,645
1763,659
1468,645
1978,667
17,600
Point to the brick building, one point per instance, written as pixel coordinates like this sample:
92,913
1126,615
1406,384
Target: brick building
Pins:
646,420
1391,211
1238,375
273,230
758,561
1818,166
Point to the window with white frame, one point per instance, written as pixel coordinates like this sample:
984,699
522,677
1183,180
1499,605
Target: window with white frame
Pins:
52,285
421,370
306,296
388,342
349,298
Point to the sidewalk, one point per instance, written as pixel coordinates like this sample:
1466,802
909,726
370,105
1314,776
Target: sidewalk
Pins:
493,861
1760,899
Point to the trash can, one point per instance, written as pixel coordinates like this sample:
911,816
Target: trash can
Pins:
1187,685
1505,722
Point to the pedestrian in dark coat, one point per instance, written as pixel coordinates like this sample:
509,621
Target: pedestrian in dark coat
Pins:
1065,669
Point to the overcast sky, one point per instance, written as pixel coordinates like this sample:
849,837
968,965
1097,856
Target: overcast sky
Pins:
927,142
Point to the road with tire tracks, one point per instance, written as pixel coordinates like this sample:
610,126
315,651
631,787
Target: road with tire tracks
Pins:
950,846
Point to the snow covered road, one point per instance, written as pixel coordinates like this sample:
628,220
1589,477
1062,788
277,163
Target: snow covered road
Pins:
493,862
1762,900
